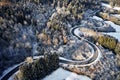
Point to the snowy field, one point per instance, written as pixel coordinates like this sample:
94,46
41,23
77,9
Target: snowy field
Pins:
61,74
116,27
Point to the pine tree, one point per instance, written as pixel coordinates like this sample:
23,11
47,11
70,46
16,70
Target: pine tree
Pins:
26,72
39,68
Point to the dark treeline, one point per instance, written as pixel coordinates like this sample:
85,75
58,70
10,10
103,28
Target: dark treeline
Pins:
39,68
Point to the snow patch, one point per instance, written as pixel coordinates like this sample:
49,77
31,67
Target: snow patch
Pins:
106,5
10,78
116,8
77,32
9,69
116,15
97,18
116,27
61,74
116,35
109,6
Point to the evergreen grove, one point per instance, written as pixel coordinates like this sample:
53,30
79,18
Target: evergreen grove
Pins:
39,68
110,43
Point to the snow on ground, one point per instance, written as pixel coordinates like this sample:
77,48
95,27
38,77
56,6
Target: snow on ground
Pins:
97,18
116,35
117,15
106,5
7,70
61,74
116,8
109,6
13,76
10,69
77,32
10,78
116,27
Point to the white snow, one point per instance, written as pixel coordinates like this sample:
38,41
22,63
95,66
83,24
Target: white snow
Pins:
97,18
116,15
116,8
9,69
116,27
106,5
10,78
77,32
60,50
116,35
109,6
61,74
13,76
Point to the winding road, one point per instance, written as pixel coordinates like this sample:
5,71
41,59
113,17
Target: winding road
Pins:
90,61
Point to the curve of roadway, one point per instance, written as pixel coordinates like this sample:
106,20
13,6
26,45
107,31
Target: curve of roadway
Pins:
92,60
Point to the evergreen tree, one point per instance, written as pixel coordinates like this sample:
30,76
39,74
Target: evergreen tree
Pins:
26,72
39,68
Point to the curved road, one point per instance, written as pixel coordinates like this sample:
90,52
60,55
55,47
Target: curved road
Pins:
92,60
